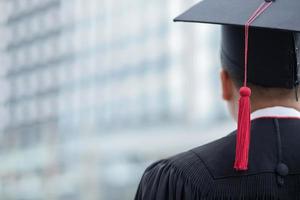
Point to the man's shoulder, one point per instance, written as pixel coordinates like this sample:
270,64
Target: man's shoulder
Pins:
202,162
190,170
215,158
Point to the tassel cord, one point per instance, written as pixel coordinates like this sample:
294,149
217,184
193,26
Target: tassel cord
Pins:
244,124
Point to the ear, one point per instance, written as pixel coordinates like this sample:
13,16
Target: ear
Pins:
227,86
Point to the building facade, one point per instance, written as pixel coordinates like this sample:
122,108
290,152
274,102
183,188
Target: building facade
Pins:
85,82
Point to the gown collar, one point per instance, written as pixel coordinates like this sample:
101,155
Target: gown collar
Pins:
276,112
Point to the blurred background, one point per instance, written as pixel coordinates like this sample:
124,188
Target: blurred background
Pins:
93,91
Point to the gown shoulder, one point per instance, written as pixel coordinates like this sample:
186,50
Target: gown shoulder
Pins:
183,176
206,172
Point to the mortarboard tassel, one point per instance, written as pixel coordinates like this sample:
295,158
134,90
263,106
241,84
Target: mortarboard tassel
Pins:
244,123
243,131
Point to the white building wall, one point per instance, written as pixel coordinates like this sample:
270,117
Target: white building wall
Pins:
93,91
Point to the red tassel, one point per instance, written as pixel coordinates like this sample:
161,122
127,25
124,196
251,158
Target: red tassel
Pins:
243,130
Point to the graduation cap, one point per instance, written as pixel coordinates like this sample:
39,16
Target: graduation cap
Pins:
261,41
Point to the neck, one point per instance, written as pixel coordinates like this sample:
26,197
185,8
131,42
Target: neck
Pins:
256,105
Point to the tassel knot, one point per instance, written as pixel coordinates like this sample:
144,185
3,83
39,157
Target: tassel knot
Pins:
245,92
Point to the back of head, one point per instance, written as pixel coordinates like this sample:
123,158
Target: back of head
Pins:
272,60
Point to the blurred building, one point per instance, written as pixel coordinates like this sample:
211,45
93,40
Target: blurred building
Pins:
86,83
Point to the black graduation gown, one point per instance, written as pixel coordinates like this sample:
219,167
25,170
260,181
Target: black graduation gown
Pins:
206,172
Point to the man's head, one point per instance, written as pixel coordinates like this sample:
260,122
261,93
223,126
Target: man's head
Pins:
272,67
261,97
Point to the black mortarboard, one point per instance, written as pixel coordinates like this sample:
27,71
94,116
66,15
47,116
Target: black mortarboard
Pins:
282,15
272,60
266,54
273,55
